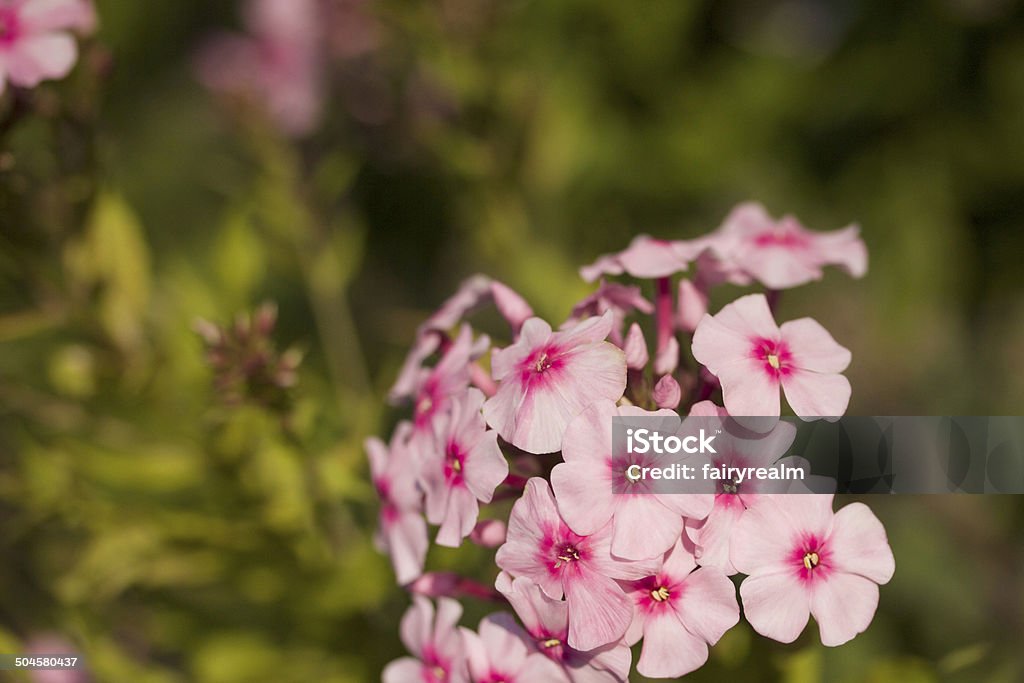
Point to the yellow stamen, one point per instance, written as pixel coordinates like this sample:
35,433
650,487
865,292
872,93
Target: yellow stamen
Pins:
773,360
551,642
811,560
660,594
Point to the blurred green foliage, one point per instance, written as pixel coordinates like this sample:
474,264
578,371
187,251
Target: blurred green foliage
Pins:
173,536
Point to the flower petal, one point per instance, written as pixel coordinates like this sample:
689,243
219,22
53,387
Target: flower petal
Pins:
858,544
776,605
813,395
843,605
669,650
599,612
813,348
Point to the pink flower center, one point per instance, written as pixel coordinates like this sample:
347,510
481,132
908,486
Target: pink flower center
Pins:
775,356
553,646
541,366
810,559
427,403
454,460
780,236
657,593
9,25
435,667
566,553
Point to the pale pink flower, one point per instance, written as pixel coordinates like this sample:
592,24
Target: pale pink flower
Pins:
667,393
36,41
635,348
645,257
620,299
803,559
489,533
592,493
679,612
276,66
547,624
402,533
435,642
753,357
500,654
438,386
462,470
543,548
736,447
782,254
547,378
475,292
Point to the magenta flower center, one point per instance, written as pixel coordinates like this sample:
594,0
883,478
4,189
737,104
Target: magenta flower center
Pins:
810,559
541,366
566,553
552,646
435,667
9,28
775,356
780,237
454,461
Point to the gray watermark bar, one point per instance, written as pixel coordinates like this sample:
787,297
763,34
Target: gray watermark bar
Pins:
850,454
41,662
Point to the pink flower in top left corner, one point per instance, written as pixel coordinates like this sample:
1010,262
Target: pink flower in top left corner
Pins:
548,378
35,39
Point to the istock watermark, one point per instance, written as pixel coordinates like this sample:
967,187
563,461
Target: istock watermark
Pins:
913,455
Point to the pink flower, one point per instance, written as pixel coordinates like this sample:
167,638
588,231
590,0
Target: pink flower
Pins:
403,532
546,379
667,393
435,642
736,447
499,654
547,624
752,357
473,293
620,299
437,387
680,612
783,253
35,39
542,548
644,523
645,257
802,559
465,467
278,65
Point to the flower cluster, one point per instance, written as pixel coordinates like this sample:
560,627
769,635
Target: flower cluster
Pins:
589,572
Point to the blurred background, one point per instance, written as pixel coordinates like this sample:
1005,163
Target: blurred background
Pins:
182,505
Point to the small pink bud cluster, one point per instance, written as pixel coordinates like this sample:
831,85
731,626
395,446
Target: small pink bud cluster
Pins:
589,573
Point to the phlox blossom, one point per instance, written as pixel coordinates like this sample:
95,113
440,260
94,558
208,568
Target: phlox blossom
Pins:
753,357
679,611
36,41
463,469
547,378
547,625
498,652
803,559
435,642
783,253
542,548
402,532
591,489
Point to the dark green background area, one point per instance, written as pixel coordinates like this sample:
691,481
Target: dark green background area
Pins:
175,539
